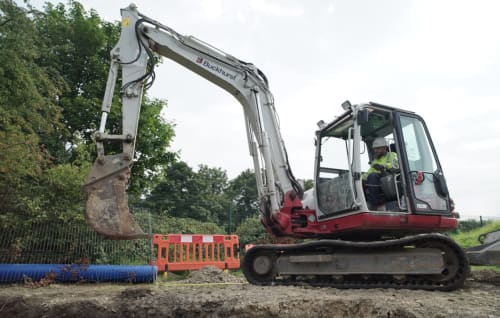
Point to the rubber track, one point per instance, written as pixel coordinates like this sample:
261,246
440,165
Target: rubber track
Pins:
362,281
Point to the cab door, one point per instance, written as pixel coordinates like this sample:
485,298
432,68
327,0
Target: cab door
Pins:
334,181
426,183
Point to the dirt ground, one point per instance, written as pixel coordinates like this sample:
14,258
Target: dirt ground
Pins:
212,293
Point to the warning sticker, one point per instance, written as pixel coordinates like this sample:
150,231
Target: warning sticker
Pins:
125,22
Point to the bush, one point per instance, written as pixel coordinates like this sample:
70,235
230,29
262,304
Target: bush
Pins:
251,231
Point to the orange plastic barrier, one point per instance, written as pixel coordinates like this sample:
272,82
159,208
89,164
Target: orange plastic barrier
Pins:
179,252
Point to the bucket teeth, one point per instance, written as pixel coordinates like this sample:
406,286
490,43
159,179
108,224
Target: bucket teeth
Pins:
107,206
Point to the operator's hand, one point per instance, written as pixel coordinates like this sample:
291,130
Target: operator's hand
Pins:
378,167
393,170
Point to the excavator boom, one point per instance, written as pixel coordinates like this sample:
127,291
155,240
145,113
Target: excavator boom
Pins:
107,205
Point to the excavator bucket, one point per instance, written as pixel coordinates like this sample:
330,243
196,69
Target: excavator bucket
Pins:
488,253
107,204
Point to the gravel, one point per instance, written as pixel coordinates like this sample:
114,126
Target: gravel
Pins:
479,298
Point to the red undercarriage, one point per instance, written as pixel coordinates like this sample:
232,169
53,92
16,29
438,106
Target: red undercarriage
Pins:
294,221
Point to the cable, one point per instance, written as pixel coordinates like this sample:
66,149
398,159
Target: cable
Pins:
149,77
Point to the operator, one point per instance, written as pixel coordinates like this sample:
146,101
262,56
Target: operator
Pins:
384,162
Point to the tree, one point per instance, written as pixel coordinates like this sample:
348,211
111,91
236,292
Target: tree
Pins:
53,72
77,46
185,226
251,231
211,184
243,194
308,184
189,194
28,103
153,140
205,195
175,192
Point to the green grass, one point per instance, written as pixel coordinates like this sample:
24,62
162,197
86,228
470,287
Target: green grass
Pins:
469,238
236,272
478,268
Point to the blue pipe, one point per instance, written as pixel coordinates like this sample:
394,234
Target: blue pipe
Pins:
14,273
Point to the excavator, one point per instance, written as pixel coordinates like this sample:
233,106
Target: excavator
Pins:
347,243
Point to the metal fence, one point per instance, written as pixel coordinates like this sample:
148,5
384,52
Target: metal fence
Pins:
74,242
493,218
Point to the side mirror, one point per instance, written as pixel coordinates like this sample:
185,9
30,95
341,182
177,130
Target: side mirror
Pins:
363,116
440,184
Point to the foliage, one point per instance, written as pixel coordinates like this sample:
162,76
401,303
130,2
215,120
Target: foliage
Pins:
179,225
153,139
174,192
53,72
251,231
308,184
28,105
244,196
210,199
205,195
186,193
77,47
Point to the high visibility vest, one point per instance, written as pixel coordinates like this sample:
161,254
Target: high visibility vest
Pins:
389,160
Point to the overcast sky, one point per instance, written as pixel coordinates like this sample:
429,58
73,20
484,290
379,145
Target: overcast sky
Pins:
440,59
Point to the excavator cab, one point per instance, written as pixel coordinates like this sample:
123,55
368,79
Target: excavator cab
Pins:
413,184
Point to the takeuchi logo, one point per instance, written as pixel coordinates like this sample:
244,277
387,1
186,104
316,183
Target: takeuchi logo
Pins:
215,68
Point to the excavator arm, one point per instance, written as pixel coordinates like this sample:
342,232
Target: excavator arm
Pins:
107,205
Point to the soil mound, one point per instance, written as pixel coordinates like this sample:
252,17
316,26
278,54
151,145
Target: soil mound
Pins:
487,276
212,274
